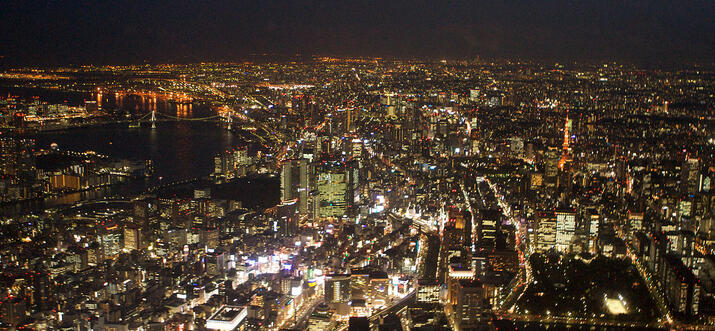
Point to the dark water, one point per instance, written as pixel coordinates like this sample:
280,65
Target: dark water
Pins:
178,150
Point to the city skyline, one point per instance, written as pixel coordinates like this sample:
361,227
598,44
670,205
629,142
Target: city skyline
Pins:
357,166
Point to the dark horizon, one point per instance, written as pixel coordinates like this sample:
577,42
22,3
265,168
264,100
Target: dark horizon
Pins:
645,33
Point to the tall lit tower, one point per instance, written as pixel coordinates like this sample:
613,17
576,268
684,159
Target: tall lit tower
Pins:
153,119
566,135
566,148
349,120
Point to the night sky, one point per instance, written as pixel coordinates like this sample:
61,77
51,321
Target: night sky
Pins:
119,32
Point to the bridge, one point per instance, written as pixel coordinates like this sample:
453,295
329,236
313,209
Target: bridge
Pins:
226,115
153,117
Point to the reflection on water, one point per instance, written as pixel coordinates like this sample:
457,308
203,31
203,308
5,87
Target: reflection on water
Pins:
136,103
179,150
71,198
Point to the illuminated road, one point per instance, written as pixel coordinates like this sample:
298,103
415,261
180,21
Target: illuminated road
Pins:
307,310
395,306
525,271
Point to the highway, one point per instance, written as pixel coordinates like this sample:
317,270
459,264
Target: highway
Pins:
305,311
394,307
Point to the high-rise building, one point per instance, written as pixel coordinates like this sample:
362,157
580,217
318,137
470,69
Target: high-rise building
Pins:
232,163
681,287
337,289
132,237
356,149
110,240
17,158
488,226
552,164
287,181
473,95
635,222
690,175
467,303
594,220
287,219
332,185
214,263
295,183
13,311
565,229
428,291
545,231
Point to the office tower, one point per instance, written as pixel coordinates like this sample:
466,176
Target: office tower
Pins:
681,287
110,240
551,164
332,185
220,165
356,149
352,198
214,263
232,163
685,211
132,237
349,120
337,289
593,219
17,158
545,231
295,183
473,95
516,145
304,187
565,229
209,238
287,219
428,291
467,303
287,181
690,175
13,311
488,226
635,222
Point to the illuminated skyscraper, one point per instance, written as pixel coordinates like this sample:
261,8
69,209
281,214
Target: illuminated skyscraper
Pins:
468,303
332,184
545,232
295,183
593,219
337,289
565,229
690,175
487,228
132,237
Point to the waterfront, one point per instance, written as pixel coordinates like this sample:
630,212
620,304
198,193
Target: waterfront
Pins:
112,102
178,150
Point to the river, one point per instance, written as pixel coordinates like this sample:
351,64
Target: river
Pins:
178,150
